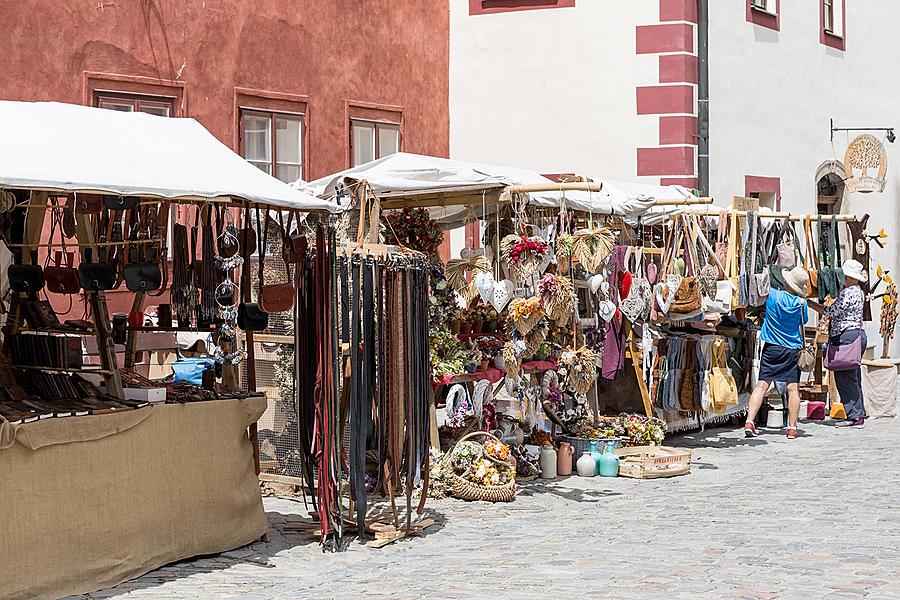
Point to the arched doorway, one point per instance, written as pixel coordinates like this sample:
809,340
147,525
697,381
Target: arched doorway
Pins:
830,188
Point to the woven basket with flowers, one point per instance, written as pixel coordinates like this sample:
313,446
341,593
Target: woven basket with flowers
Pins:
526,313
524,254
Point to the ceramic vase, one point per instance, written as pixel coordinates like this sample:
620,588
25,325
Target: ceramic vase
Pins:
608,465
586,465
564,459
548,462
595,454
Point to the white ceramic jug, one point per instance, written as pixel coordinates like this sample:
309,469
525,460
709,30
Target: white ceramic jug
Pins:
586,465
548,462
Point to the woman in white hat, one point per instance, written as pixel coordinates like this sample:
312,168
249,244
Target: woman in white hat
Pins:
844,327
782,334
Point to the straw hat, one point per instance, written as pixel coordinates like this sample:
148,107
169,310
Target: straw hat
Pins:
853,268
796,281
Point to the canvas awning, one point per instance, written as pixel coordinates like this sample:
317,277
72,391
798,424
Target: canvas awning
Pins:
65,147
436,181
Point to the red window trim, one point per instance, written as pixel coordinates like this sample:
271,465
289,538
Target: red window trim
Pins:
767,185
109,84
371,112
488,7
272,115
764,19
838,42
248,100
136,100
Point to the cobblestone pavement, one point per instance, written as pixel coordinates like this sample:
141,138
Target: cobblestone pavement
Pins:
767,518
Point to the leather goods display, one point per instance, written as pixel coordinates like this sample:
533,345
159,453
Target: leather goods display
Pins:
688,297
273,297
294,245
247,235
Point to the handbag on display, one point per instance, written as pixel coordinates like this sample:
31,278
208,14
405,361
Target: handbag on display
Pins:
62,279
689,297
811,261
121,202
636,306
831,276
732,259
723,390
294,245
759,285
251,317
722,244
190,370
96,277
26,279
273,297
141,275
86,204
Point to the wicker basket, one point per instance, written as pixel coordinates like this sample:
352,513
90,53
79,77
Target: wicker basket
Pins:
467,490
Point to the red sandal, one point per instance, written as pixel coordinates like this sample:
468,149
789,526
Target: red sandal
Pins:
791,433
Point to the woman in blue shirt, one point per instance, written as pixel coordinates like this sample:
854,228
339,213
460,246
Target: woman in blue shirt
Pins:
782,334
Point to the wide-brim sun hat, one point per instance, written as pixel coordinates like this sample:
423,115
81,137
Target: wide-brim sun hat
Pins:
854,269
796,281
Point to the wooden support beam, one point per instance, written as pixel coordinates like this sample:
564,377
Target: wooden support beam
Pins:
575,186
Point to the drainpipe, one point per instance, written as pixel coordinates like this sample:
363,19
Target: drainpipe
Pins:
703,96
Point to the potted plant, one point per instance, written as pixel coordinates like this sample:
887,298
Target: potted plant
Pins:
473,359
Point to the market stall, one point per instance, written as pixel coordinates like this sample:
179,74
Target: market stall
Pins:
508,318
108,474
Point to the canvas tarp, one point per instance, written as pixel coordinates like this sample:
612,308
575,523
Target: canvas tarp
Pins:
89,502
404,172
65,147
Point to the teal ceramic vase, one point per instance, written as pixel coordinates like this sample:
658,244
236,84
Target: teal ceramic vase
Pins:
595,454
608,463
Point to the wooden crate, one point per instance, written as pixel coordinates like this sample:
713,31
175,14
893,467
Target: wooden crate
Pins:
650,462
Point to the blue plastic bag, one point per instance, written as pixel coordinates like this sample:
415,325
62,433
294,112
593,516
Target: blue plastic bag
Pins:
190,370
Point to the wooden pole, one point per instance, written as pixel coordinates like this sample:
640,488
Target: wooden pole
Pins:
576,186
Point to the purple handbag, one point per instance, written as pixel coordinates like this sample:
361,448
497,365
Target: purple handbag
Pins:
845,357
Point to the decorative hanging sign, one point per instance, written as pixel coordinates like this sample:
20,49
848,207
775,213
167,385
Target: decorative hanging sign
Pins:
865,154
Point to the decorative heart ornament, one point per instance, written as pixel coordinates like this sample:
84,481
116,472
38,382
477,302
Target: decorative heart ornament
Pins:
484,283
595,281
665,292
606,310
604,286
502,294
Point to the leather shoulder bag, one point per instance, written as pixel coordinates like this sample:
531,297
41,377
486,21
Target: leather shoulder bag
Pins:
86,204
26,279
61,279
274,297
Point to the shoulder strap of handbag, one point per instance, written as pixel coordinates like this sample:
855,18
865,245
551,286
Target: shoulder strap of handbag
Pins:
54,221
691,262
285,239
723,226
812,258
668,250
752,224
731,254
710,252
263,232
824,258
790,224
835,243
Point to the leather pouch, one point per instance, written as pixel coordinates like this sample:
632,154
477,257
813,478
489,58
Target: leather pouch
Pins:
26,278
251,317
143,277
276,297
87,204
95,277
121,202
62,279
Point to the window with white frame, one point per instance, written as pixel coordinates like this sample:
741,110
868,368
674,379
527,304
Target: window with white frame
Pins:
370,140
273,142
833,18
768,6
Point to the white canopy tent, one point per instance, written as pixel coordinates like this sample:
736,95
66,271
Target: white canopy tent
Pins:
410,176
70,148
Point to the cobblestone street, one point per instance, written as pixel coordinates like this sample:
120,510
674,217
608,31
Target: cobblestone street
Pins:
767,518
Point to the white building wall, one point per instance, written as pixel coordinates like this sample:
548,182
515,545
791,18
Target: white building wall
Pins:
772,94
551,90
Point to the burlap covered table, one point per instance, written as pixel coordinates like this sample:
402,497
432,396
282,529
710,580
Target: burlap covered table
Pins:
89,502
